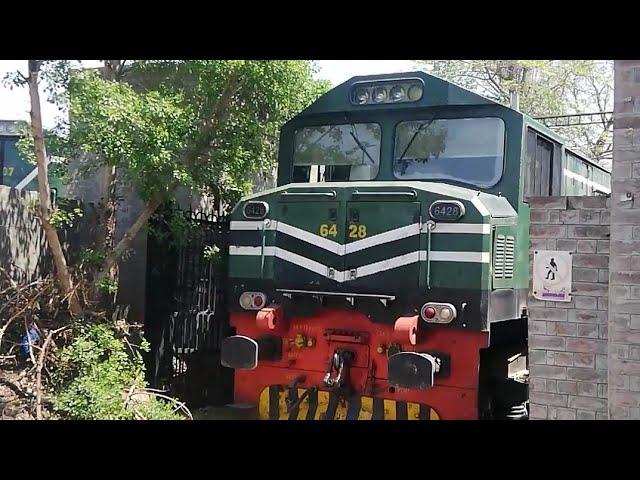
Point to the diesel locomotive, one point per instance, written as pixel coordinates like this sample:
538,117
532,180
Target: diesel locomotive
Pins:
386,276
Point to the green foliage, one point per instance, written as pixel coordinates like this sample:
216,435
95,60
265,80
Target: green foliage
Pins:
140,133
170,226
64,215
108,285
25,145
56,146
90,259
94,373
211,253
545,88
209,125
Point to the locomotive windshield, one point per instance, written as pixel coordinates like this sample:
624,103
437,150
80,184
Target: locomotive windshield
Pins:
335,153
467,150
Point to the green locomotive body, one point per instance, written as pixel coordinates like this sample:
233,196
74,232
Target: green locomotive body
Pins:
401,219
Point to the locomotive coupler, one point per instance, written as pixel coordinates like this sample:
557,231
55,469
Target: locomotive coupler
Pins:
293,400
339,364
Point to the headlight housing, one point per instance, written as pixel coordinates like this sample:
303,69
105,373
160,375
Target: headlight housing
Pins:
433,312
404,90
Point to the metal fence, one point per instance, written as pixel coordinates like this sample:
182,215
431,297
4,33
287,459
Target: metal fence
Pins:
187,316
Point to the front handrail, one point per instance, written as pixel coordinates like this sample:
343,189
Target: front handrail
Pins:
331,194
411,194
336,294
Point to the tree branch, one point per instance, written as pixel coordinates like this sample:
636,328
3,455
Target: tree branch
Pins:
208,126
40,365
125,242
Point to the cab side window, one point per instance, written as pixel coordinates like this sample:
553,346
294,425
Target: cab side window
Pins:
542,166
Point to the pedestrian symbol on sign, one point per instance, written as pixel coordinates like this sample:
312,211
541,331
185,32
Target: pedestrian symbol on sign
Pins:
552,269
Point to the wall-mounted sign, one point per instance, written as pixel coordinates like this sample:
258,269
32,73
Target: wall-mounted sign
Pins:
552,275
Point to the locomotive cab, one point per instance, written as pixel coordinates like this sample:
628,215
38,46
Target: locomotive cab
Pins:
386,276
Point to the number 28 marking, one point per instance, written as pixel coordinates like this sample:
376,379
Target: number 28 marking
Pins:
357,231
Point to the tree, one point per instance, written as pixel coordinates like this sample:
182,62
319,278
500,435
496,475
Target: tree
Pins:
205,125
63,275
544,88
160,125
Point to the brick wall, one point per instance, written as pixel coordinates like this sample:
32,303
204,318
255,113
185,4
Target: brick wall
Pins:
624,299
568,341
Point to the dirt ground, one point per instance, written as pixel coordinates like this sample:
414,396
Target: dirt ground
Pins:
16,399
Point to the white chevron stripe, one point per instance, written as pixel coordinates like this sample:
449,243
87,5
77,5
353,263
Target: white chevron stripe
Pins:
374,240
385,237
464,257
388,264
484,211
312,238
239,250
253,224
479,228
304,262
365,270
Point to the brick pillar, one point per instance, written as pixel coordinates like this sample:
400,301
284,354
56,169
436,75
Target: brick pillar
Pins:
624,295
568,341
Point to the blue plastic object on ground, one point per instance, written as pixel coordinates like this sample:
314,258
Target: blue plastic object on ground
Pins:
24,341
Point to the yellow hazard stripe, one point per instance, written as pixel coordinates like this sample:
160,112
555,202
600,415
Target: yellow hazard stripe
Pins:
304,406
413,411
263,406
390,407
341,410
366,408
323,404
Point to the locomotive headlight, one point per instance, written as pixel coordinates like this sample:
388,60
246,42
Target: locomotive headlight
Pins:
379,95
397,93
252,300
246,300
433,312
361,96
446,314
415,92
428,312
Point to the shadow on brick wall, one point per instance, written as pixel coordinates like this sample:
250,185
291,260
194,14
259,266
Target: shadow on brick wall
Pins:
23,248
22,241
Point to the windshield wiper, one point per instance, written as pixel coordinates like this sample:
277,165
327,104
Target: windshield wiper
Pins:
361,146
422,125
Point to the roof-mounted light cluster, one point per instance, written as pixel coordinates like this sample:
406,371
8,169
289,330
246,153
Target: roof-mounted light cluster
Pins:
391,91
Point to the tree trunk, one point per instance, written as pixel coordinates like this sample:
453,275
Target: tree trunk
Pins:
107,186
124,244
112,72
65,282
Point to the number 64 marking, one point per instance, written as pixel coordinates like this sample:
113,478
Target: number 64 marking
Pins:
357,231
328,230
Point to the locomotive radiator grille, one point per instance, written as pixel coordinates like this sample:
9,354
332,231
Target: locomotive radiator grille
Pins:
504,251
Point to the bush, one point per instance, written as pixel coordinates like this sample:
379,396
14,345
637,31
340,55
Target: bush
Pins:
96,371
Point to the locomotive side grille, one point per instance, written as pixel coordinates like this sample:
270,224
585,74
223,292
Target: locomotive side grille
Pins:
504,251
509,253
